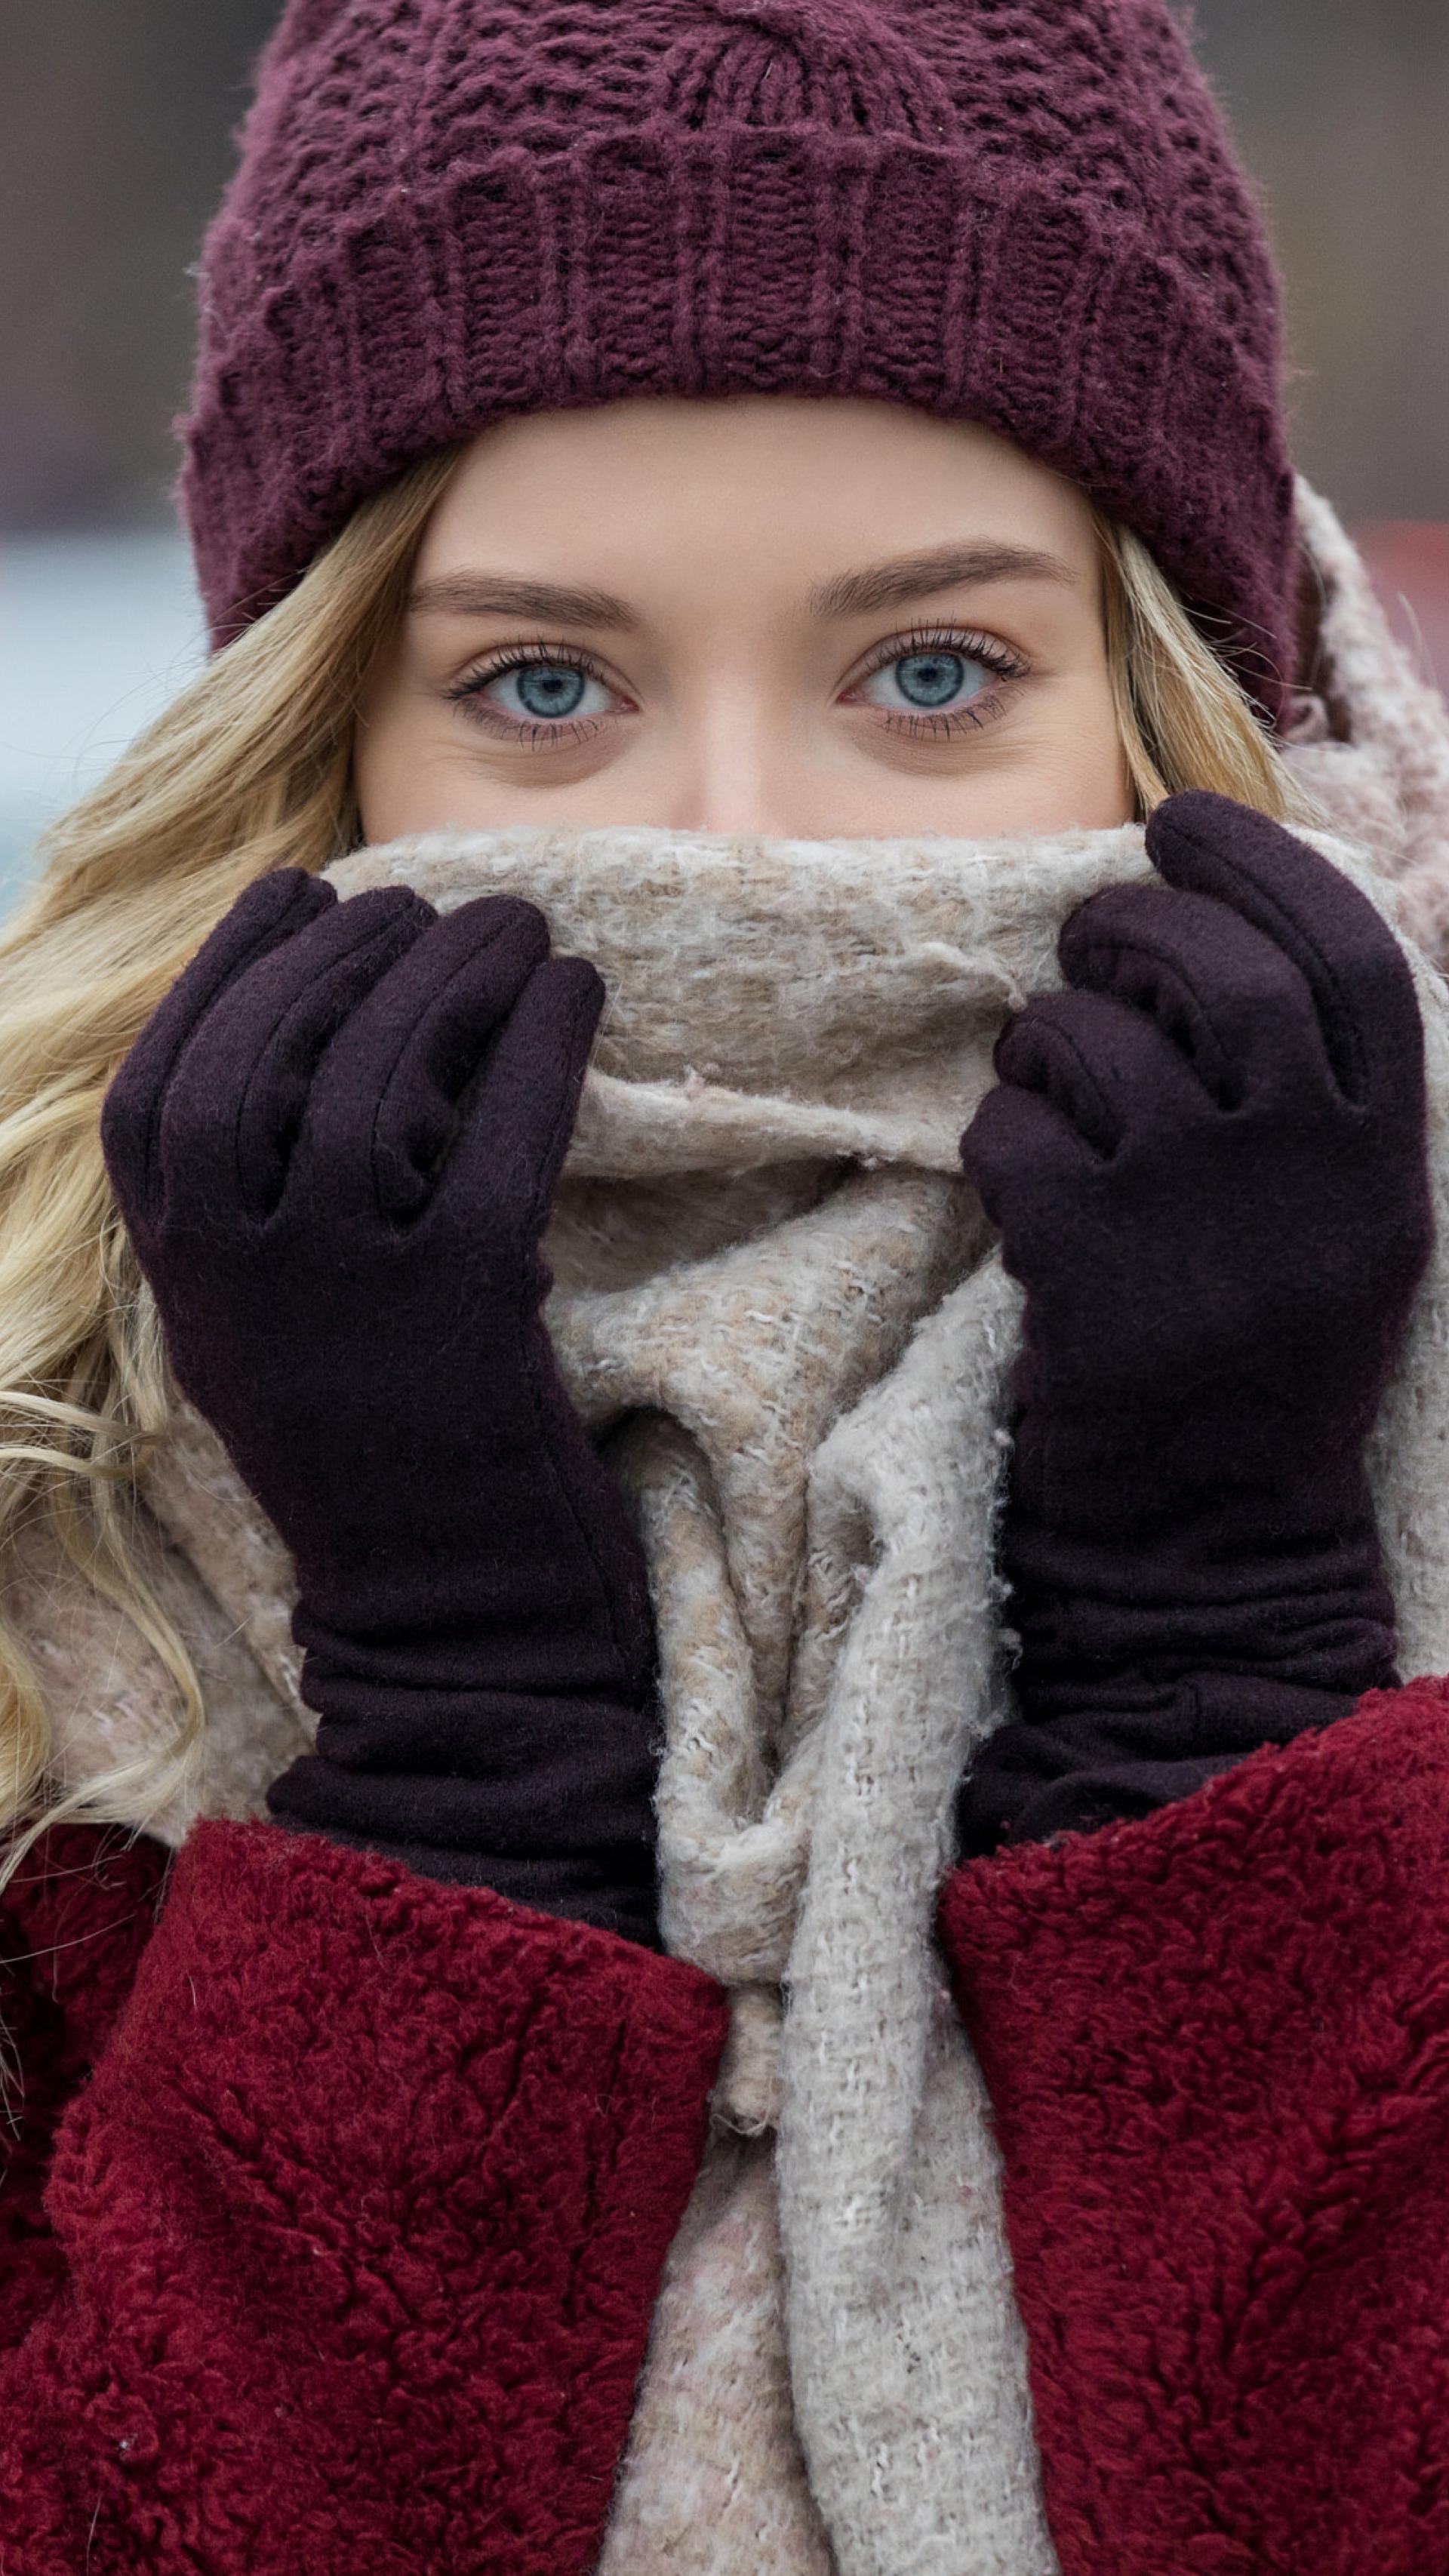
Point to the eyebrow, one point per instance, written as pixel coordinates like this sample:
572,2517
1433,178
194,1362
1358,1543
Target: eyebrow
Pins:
846,594
484,594
906,577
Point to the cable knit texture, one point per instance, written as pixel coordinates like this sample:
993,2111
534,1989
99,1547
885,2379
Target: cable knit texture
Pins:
451,210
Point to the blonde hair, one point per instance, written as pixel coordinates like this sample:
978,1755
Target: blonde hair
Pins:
250,770
1183,719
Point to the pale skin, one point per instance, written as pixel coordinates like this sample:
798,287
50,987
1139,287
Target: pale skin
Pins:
764,615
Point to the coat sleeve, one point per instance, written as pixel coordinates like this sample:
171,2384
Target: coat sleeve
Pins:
74,1922
1216,2041
358,2227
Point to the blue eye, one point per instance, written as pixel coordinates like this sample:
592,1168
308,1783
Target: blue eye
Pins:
930,681
540,692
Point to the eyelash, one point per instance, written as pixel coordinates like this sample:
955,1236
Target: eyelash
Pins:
1010,668
468,692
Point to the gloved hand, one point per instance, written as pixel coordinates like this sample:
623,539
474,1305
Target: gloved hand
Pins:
1206,1158
335,1146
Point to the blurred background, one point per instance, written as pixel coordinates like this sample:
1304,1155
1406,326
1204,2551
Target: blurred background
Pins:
115,139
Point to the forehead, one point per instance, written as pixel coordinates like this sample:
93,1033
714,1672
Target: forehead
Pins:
606,492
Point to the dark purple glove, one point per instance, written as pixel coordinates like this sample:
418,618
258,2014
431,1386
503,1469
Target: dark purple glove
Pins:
335,1147
1207,1161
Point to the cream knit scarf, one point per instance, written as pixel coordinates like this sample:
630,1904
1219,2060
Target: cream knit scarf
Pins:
778,1298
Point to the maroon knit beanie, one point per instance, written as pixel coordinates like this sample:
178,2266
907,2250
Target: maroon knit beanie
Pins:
1021,212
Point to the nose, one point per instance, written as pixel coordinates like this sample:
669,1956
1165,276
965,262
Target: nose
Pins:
738,771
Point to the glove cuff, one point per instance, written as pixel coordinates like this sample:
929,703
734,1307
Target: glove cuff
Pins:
1036,1778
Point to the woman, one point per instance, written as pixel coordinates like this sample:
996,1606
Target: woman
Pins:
824,467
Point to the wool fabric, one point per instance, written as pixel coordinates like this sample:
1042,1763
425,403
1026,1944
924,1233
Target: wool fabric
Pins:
830,1359
1024,214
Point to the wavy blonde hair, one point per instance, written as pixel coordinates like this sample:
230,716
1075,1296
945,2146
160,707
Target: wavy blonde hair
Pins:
250,769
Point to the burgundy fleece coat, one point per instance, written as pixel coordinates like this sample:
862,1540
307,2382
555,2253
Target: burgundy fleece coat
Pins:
335,2201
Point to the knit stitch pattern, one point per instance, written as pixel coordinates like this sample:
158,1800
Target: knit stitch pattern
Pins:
448,211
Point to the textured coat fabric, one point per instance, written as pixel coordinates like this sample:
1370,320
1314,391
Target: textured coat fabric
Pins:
73,1933
1215,2042
347,2249
451,210
841,2378
357,2228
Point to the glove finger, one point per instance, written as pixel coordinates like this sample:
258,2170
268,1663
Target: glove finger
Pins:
1348,956
266,914
312,993
1025,1158
386,1098
1236,1006
235,1106
481,958
1104,1065
515,1131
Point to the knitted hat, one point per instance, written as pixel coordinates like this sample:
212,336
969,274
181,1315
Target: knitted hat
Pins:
1020,212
